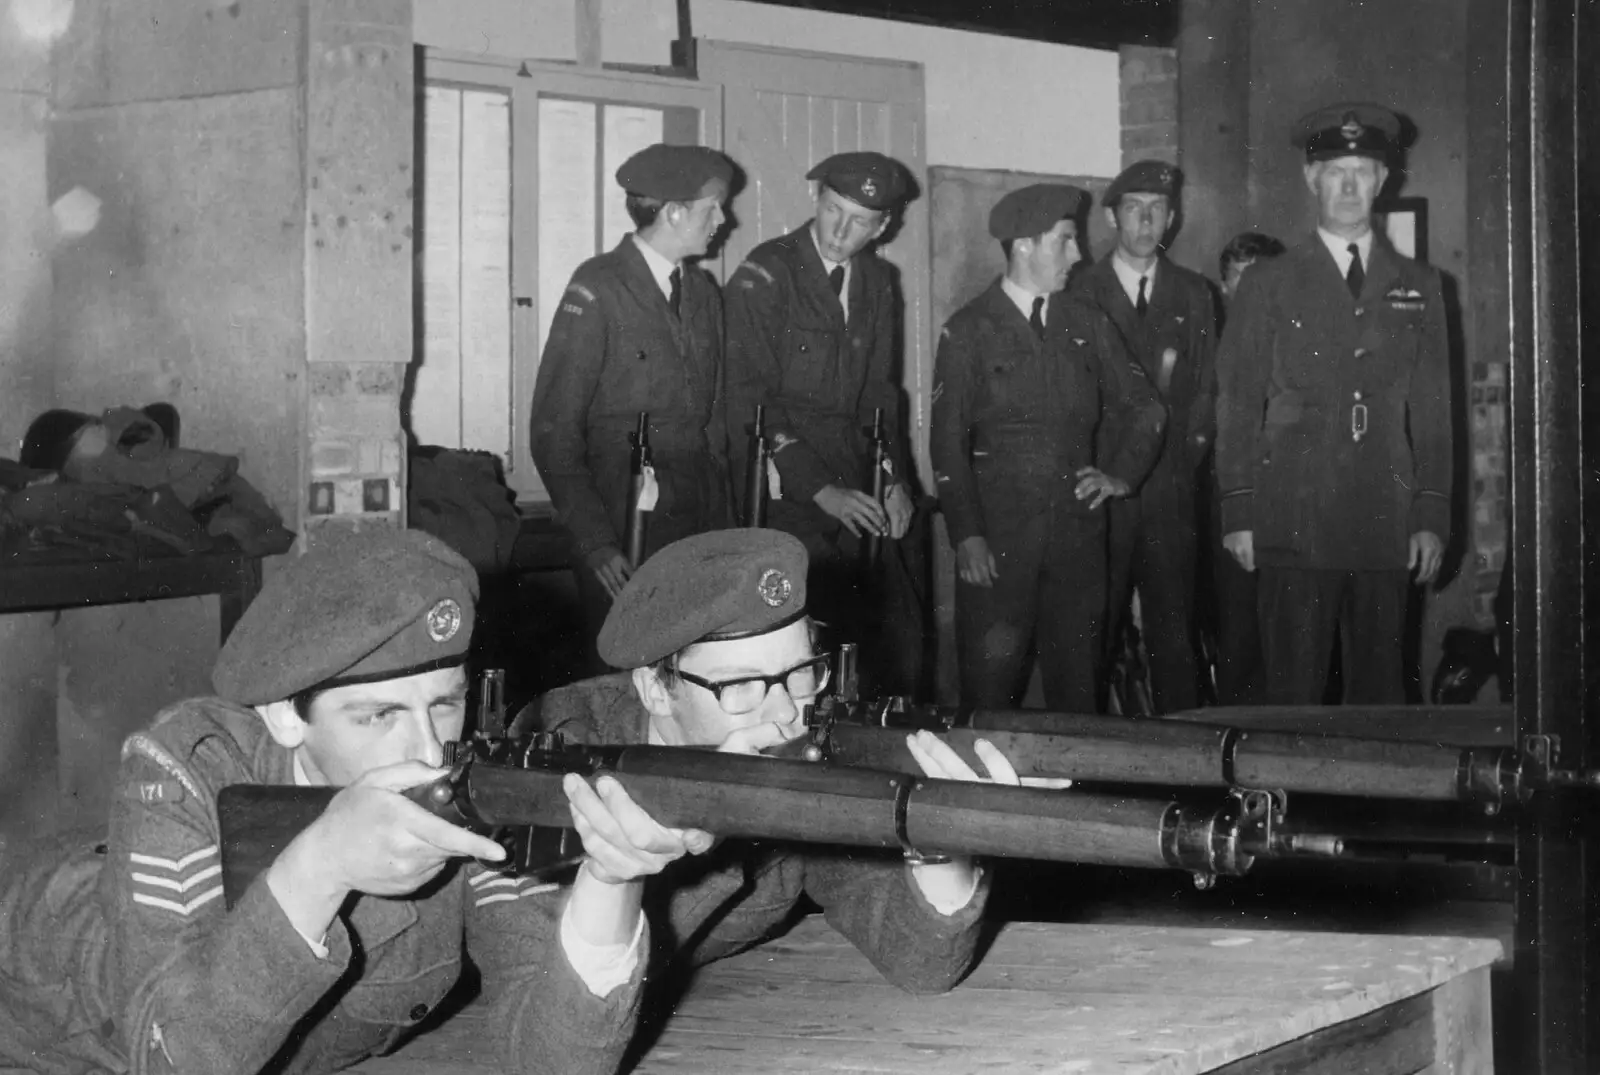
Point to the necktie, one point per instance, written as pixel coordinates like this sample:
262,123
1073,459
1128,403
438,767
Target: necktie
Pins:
1036,319
1355,276
836,279
1141,303
676,298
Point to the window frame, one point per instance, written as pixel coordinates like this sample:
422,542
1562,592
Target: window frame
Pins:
525,82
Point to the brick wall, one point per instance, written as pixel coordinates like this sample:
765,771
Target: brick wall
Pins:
1491,489
1149,93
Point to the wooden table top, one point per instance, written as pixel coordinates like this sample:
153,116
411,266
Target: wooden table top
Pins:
1048,998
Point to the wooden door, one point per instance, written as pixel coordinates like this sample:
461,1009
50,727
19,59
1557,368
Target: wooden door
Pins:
784,111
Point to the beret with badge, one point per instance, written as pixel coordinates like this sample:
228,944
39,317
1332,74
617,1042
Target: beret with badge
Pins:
675,173
871,180
356,608
1351,129
1034,210
1144,177
720,585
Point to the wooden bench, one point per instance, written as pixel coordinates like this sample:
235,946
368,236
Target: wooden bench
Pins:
1080,999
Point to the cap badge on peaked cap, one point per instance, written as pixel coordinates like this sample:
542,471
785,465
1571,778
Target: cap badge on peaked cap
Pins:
444,620
1351,128
774,587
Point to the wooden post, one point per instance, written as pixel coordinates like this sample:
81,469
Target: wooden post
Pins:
587,33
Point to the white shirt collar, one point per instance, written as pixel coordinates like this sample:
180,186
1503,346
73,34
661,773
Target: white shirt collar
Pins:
660,267
1022,298
1128,277
1340,248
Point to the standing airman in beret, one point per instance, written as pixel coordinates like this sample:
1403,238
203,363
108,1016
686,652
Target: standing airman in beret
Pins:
1334,427
722,653
1023,377
346,670
639,329
811,333
1166,320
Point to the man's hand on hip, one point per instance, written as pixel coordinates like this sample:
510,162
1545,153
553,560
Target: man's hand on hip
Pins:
1241,544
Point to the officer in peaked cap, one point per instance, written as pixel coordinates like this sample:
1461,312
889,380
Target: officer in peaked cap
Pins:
720,652
811,338
638,330
345,670
1334,426
1023,376
1349,130
1165,317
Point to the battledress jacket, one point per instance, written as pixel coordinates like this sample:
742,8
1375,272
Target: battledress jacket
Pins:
616,349
123,958
709,906
1180,321
1334,425
1015,417
819,376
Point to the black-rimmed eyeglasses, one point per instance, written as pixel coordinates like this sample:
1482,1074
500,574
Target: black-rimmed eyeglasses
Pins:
746,693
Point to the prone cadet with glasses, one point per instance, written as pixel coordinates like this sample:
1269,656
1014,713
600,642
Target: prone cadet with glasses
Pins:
721,653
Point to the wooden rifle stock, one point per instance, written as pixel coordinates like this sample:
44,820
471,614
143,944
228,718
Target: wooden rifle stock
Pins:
511,791
1173,753
755,474
638,519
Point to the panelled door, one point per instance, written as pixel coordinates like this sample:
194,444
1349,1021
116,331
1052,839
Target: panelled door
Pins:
782,112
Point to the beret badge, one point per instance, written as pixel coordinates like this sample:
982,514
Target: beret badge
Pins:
869,188
1351,128
774,587
444,620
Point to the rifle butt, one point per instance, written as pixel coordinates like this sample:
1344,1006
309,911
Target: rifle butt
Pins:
257,822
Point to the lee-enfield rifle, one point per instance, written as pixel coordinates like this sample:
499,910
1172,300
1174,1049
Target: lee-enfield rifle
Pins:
878,454
1172,754
755,474
638,471
510,790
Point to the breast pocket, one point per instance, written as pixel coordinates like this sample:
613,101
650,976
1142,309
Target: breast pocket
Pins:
386,1010
811,361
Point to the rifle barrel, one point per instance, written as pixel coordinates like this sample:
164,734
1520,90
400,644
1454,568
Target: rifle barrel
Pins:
1178,753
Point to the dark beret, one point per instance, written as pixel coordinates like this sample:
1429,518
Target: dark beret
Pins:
1144,177
1353,129
871,180
720,585
356,608
674,173
1034,210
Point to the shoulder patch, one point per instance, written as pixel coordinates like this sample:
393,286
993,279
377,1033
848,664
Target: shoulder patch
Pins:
756,268
580,291
141,744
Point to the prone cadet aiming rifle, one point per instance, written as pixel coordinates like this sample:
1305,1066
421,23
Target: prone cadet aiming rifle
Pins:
755,474
1168,753
510,790
639,503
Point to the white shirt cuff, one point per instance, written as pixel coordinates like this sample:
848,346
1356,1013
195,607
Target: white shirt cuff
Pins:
603,967
936,890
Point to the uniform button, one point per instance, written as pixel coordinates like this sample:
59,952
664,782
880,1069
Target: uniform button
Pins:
1361,352
418,1012
1356,395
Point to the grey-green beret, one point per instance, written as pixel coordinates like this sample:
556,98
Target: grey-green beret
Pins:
706,588
1034,210
356,608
